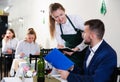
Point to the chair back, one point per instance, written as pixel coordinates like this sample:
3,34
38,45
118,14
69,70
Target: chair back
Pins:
45,51
6,62
0,67
34,57
116,75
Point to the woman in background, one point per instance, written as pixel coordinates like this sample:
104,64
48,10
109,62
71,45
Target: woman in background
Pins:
23,50
28,46
9,42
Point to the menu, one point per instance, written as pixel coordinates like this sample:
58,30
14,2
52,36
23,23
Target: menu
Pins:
56,58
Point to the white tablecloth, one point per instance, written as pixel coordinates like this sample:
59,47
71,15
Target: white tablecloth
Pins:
11,79
17,66
20,71
16,79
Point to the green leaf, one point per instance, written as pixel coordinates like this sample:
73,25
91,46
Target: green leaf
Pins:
103,9
43,20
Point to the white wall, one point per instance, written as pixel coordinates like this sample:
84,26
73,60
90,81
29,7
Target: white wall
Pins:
29,10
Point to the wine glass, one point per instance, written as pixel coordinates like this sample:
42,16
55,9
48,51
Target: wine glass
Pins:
48,69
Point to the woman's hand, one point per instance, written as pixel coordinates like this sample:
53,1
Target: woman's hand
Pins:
37,53
68,53
6,38
9,51
75,49
60,46
22,55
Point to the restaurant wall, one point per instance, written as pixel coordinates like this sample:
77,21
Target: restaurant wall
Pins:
29,13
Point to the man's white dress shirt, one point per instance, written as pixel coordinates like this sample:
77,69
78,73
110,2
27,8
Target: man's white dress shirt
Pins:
92,52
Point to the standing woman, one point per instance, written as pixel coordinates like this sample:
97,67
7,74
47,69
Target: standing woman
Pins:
67,29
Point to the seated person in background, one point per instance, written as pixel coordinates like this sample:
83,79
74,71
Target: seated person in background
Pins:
9,42
100,60
25,48
28,46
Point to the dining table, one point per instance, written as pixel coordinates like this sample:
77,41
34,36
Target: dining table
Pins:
54,76
33,79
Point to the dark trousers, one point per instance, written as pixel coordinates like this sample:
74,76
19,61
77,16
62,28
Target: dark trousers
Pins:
7,62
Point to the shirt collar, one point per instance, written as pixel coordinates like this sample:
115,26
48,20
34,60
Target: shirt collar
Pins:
93,49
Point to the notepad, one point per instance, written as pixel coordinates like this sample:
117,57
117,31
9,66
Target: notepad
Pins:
58,60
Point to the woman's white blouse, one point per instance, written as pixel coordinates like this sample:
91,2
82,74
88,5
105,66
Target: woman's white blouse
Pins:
26,48
67,28
11,44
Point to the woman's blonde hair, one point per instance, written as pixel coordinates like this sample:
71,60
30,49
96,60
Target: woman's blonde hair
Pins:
53,7
32,32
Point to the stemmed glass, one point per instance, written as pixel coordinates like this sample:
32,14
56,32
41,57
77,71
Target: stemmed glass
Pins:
48,69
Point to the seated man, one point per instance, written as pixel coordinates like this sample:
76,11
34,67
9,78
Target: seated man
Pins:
100,60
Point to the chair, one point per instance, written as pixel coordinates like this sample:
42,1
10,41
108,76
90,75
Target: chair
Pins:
7,61
116,75
0,67
34,57
45,51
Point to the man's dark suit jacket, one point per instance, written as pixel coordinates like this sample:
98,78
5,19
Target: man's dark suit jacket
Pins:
100,68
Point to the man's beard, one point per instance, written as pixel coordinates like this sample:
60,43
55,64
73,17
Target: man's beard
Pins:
88,43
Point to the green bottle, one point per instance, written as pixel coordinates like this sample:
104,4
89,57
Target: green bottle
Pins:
41,68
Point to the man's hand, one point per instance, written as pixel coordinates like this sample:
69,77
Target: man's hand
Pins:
64,74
